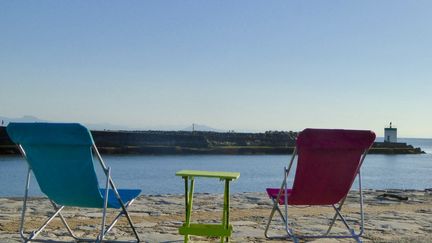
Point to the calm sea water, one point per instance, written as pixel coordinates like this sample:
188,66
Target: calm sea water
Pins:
156,174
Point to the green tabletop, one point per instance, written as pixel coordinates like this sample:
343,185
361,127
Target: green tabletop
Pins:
211,174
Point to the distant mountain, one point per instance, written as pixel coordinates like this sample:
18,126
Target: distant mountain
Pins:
5,120
202,128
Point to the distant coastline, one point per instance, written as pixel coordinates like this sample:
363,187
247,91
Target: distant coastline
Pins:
198,142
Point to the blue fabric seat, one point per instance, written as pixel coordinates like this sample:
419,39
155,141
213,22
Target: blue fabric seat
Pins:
125,194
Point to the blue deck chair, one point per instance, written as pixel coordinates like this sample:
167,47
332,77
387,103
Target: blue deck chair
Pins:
61,158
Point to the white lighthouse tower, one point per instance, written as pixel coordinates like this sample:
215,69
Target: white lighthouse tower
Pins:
390,134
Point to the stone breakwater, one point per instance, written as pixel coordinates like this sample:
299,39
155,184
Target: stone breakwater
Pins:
182,142
390,216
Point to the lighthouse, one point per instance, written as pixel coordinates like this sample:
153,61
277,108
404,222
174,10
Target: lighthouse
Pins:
390,134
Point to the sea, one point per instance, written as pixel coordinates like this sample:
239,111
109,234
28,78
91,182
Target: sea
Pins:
155,174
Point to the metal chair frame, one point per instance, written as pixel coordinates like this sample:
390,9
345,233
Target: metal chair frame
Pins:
58,208
337,207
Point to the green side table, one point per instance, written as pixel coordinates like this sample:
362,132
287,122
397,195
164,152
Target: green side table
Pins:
223,230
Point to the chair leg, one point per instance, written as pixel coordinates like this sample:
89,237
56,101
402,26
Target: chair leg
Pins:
102,233
130,222
296,237
335,217
289,235
124,207
64,221
125,212
355,236
341,217
57,212
338,213
42,227
269,220
115,220
27,185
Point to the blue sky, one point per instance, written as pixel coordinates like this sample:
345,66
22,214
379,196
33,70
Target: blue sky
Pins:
233,65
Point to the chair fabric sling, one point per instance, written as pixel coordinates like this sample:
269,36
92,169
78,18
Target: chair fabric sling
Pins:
327,164
61,158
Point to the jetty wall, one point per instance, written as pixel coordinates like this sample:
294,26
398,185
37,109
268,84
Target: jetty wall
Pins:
182,142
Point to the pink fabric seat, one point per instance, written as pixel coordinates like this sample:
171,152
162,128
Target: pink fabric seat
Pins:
328,162
273,193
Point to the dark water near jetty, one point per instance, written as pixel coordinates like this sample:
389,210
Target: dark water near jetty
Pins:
156,174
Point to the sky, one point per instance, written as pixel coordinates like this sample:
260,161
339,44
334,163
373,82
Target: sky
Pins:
232,65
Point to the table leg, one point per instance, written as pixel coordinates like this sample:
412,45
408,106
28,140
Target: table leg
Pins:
186,237
225,216
188,201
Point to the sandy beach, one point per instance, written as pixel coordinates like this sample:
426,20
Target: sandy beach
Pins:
157,217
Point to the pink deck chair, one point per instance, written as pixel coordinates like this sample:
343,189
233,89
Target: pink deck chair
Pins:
327,165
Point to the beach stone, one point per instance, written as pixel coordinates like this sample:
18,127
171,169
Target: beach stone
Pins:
86,228
145,224
157,237
94,215
247,232
243,223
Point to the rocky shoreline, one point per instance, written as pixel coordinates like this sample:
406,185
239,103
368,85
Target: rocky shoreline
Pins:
390,216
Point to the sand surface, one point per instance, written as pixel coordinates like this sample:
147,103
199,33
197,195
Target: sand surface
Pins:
157,218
